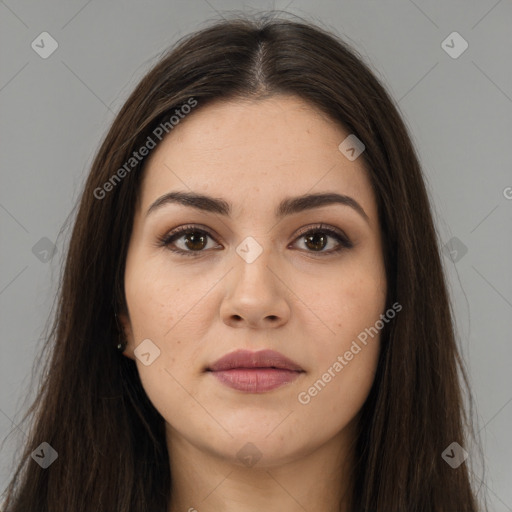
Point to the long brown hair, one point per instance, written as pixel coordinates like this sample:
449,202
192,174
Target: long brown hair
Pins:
91,407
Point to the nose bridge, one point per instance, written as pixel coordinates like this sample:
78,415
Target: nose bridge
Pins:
255,258
254,293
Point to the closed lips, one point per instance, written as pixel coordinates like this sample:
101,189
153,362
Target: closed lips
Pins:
255,372
268,359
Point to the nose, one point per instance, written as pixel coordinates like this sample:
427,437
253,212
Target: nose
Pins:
256,296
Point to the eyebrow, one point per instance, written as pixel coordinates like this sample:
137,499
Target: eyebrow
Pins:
288,206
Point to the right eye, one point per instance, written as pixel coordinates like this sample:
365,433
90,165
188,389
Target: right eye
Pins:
193,240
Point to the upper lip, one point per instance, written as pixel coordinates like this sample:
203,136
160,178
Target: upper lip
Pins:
248,359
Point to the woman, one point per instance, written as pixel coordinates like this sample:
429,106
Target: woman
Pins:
253,313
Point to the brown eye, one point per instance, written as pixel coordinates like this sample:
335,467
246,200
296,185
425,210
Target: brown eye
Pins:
317,239
316,242
195,241
192,241
187,240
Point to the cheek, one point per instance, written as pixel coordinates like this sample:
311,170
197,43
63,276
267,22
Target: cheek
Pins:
357,305
159,299
345,353
155,309
346,303
160,305
343,362
346,359
332,400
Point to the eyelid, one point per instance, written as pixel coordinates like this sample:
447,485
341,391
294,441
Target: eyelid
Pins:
343,240
325,228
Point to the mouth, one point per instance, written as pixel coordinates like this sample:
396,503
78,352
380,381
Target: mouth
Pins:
255,372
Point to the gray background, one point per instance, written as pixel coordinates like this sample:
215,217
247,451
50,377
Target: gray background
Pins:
459,111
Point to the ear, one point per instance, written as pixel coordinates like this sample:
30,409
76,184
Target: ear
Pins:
126,326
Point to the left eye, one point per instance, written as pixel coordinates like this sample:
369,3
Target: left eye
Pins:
317,239
195,240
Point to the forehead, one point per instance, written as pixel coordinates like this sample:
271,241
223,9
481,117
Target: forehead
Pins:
271,148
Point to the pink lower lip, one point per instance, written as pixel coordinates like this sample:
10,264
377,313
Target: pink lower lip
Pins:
256,380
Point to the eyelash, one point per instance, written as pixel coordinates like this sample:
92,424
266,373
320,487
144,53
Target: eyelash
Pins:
167,239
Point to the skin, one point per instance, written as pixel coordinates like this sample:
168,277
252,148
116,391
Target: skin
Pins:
302,302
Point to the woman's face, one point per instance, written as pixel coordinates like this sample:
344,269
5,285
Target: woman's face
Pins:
255,271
